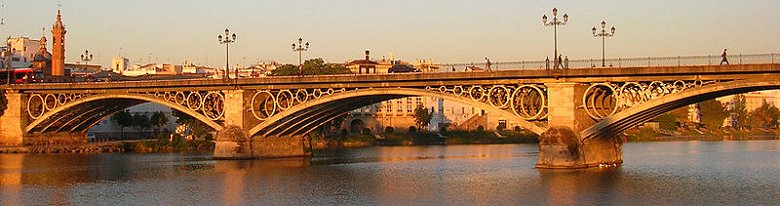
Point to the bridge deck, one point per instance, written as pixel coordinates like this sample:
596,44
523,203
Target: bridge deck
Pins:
663,73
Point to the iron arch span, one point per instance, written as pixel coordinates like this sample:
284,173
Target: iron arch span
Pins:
81,114
633,116
305,117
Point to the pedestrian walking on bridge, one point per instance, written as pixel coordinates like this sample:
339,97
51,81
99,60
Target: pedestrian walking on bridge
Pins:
724,59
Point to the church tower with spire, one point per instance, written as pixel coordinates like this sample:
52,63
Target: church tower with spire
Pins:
58,47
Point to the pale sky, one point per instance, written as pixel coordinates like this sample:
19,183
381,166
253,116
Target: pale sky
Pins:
446,31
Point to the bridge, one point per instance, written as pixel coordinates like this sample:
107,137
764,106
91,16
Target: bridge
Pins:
578,112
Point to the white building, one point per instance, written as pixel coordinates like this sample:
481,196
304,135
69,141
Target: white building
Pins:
119,64
23,49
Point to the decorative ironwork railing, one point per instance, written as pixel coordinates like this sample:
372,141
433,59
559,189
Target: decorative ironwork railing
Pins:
736,59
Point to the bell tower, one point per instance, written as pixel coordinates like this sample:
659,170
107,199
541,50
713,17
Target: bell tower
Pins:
58,47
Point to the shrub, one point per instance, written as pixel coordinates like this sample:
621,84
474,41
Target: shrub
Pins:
366,131
480,128
412,129
388,130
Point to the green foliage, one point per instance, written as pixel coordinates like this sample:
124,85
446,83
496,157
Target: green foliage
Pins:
158,119
422,117
141,121
123,118
199,129
412,129
3,103
310,67
712,113
765,116
667,121
740,110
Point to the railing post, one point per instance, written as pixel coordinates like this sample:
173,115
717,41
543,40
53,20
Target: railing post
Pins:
648,62
709,59
620,62
678,61
740,59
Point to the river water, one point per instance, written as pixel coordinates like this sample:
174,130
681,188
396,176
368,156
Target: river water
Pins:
658,173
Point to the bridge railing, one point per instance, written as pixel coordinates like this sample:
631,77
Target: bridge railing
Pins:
735,59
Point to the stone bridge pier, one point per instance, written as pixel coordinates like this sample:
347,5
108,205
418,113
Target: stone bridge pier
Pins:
234,141
562,146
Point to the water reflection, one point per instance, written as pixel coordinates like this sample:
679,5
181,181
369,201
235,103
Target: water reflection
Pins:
655,173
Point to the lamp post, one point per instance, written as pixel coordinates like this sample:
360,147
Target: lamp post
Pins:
603,34
86,57
226,41
555,23
300,48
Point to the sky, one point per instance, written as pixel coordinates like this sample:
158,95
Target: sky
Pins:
445,31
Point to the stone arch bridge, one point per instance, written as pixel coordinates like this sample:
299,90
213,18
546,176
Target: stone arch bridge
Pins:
578,112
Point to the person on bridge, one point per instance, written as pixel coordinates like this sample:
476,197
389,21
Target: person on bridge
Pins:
559,63
488,64
724,59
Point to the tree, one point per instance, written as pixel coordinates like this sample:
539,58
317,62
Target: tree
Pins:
667,121
712,113
739,110
310,67
158,119
123,119
422,117
3,103
141,121
199,129
765,116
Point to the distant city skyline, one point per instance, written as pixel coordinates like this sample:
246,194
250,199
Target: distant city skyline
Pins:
445,31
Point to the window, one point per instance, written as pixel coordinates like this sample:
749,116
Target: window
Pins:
409,108
400,108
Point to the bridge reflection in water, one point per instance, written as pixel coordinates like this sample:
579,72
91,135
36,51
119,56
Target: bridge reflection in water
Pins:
660,173
577,112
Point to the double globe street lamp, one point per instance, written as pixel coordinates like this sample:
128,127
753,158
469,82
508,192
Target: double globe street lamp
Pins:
86,57
226,41
555,23
603,34
300,48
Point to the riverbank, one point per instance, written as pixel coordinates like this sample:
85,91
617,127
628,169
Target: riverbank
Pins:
425,138
700,134
131,146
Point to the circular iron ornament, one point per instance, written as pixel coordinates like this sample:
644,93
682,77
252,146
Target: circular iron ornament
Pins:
316,93
180,98
477,93
428,88
167,96
330,91
657,89
698,83
630,94
679,86
194,100
72,97
529,102
62,99
301,96
285,99
499,96
600,100
343,90
50,101
443,89
263,105
458,90
36,106
213,105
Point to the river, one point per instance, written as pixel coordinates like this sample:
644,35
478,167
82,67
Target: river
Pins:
657,173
